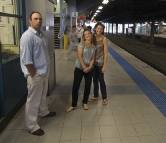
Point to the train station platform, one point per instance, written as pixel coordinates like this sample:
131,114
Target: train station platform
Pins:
135,112
155,35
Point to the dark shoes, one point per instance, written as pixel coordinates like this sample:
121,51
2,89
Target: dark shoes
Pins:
50,114
38,132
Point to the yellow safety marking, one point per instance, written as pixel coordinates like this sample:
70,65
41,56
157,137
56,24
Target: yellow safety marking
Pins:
65,41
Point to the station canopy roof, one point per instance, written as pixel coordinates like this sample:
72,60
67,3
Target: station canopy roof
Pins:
123,11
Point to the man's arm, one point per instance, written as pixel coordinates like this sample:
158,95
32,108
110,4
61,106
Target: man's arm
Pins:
31,70
26,54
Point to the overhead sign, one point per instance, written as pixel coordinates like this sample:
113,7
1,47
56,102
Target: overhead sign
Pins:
74,14
82,18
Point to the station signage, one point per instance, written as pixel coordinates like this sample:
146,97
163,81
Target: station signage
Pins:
74,14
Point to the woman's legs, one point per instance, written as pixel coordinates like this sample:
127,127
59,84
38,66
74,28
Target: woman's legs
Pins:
102,83
95,82
78,74
79,40
98,76
88,81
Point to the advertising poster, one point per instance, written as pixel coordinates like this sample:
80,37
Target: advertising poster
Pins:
6,2
7,34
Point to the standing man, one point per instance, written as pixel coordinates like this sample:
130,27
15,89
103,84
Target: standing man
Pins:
35,63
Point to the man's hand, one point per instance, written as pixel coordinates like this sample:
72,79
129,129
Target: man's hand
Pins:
33,75
31,70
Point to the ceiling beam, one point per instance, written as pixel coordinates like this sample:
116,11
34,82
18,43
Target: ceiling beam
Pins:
87,4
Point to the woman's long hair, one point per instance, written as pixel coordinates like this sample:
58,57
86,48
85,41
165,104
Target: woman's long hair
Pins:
101,24
93,40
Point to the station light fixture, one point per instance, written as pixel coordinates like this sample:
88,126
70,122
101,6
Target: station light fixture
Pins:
97,10
105,1
100,7
95,14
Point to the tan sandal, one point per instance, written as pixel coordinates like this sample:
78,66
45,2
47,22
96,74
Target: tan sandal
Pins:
105,102
70,109
93,99
85,106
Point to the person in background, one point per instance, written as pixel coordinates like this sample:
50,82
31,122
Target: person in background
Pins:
79,30
73,41
100,63
84,27
54,9
35,64
89,27
84,65
93,30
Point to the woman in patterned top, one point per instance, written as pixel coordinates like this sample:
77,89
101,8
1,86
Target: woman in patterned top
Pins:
84,65
100,63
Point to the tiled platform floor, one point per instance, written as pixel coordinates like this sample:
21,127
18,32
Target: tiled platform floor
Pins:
129,117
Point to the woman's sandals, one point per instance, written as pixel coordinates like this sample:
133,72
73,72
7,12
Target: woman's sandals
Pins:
93,99
105,102
85,106
70,109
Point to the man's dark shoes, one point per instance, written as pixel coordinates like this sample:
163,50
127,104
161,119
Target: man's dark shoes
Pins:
38,132
50,114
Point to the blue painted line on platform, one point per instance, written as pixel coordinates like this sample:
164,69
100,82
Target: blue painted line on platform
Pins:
157,96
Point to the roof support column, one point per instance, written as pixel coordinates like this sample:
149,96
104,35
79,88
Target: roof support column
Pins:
105,27
123,29
109,28
71,7
112,28
61,40
146,30
152,31
134,31
116,28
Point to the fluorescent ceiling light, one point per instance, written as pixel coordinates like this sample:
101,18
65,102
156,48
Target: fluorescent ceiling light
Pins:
96,13
100,7
97,10
105,1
